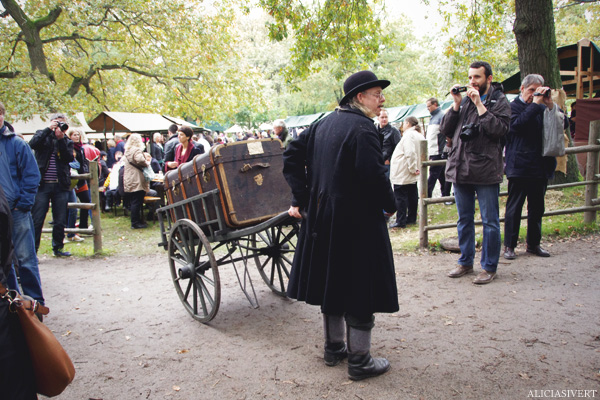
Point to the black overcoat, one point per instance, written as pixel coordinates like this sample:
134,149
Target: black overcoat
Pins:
343,260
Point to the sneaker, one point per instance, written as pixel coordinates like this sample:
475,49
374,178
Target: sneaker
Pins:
60,253
75,238
448,203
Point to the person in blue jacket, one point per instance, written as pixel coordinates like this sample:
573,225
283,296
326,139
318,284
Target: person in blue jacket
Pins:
20,178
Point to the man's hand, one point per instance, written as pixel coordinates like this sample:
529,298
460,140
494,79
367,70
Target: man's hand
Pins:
59,134
545,97
473,94
457,97
294,212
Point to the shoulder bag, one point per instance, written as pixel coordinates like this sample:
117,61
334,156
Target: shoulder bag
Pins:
53,368
553,140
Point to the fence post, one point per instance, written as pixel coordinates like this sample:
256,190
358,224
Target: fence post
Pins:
591,170
424,173
95,194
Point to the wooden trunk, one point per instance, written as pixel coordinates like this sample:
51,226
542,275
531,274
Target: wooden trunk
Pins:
248,175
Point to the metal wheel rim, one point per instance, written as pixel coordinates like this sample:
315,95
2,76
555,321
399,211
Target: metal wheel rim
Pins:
190,250
273,254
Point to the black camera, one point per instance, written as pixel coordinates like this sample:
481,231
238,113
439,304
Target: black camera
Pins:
469,131
63,126
546,94
458,89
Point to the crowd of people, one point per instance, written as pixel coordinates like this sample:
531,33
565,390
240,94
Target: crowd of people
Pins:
348,176
345,170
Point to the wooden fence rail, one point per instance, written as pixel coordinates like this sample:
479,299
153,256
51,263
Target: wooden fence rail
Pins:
589,210
96,231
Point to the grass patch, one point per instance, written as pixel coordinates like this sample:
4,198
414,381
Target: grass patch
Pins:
117,238
553,227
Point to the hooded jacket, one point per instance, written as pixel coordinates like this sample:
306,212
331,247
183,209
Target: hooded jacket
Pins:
19,175
477,161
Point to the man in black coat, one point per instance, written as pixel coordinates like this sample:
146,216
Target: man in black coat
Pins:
526,169
344,260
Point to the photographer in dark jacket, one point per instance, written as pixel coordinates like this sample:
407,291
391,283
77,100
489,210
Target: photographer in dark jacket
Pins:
53,153
526,169
477,125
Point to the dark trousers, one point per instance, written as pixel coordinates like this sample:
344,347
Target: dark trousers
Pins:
437,173
136,202
50,192
407,201
534,191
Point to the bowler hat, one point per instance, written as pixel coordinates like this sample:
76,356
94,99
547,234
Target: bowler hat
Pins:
361,81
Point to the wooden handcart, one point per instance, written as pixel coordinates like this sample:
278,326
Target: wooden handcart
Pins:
228,206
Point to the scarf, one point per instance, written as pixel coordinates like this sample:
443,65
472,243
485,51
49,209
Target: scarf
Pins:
182,158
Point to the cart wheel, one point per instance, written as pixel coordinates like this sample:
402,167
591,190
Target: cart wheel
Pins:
194,270
273,254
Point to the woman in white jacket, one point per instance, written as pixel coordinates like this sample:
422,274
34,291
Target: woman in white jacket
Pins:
404,173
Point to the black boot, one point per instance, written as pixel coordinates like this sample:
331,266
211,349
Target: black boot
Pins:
335,347
360,363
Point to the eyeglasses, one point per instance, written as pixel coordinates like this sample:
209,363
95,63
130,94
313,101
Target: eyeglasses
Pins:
378,95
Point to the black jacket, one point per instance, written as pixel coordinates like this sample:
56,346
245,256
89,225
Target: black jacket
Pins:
44,143
343,260
390,138
524,142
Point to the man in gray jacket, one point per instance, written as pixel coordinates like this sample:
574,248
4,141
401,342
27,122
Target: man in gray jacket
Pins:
477,125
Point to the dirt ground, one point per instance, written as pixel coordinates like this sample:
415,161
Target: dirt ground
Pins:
532,333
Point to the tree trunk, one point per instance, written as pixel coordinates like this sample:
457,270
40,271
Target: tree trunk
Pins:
536,40
31,33
536,43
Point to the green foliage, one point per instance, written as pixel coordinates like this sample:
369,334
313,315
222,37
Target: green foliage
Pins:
575,21
480,30
346,32
125,55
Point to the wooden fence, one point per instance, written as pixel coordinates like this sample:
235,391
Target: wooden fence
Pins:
589,210
96,230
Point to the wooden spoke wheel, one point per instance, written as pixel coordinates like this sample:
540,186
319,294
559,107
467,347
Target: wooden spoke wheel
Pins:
194,270
273,254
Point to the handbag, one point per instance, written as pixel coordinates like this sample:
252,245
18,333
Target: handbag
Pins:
553,144
53,368
148,173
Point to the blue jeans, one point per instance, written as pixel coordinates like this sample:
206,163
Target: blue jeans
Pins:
24,243
50,192
487,196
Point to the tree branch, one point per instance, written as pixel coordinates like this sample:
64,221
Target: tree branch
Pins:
48,19
75,36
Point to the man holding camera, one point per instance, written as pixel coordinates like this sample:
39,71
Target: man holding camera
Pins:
53,153
477,125
526,169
